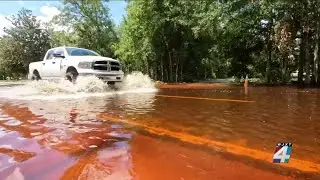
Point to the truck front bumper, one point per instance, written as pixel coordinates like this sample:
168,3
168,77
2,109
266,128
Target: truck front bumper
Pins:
112,76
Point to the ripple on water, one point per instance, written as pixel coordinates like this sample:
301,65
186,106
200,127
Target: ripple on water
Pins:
36,133
3,118
6,146
120,135
119,149
13,122
35,127
93,146
33,121
6,118
73,141
94,137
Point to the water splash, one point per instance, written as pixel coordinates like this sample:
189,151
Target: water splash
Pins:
85,87
84,84
136,80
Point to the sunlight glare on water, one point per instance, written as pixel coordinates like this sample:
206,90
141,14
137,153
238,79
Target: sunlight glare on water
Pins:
85,87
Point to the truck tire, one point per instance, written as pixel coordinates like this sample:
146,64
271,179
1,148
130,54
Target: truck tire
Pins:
72,76
35,76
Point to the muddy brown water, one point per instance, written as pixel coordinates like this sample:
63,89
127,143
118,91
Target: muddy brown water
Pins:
179,132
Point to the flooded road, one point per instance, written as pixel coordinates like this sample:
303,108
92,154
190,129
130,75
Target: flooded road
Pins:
62,131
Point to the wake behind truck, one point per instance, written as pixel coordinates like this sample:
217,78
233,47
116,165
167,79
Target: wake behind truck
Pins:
71,62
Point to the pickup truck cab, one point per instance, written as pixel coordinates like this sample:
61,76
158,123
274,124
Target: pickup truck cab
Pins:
71,62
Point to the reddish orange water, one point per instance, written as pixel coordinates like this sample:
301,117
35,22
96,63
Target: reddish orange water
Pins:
217,132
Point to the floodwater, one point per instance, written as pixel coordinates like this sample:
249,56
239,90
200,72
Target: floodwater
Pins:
87,131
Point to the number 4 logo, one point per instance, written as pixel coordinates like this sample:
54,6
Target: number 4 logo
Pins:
282,155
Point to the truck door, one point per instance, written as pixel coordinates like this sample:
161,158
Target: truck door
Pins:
56,63
46,64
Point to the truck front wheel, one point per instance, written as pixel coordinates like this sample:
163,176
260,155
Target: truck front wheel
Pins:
72,76
35,76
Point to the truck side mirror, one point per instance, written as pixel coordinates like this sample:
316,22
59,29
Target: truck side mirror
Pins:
58,55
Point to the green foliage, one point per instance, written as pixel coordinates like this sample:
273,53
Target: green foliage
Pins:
185,40
24,43
63,38
182,40
91,26
170,40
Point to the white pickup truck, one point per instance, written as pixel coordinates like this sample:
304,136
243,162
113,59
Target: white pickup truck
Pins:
71,62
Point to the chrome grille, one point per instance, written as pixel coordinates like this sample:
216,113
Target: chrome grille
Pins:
106,66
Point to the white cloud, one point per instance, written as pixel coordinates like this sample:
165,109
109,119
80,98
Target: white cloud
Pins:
47,13
3,23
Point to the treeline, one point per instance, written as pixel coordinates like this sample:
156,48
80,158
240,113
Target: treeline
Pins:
188,40
24,43
84,24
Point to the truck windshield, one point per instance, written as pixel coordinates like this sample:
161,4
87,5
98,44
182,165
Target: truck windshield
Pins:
80,52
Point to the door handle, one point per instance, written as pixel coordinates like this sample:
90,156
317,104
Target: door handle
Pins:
53,62
43,63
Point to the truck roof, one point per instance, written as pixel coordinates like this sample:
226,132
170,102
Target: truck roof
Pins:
68,47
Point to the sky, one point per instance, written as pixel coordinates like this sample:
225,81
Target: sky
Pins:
45,10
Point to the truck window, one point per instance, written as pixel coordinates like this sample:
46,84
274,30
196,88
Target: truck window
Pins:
54,51
49,55
59,51
80,52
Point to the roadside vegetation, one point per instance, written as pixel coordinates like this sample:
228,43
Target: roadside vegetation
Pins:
180,41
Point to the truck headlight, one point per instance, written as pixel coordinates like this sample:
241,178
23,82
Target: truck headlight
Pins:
85,65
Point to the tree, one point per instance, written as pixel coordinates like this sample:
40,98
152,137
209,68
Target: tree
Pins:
183,40
24,43
90,22
62,38
170,40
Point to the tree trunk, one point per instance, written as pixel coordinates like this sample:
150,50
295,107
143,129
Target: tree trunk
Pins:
268,65
167,75
316,54
284,70
316,62
301,60
181,70
147,68
307,59
155,73
161,66
213,75
177,69
269,50
170,68
205,73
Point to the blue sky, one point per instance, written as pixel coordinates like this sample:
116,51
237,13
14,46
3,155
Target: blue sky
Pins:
46,9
